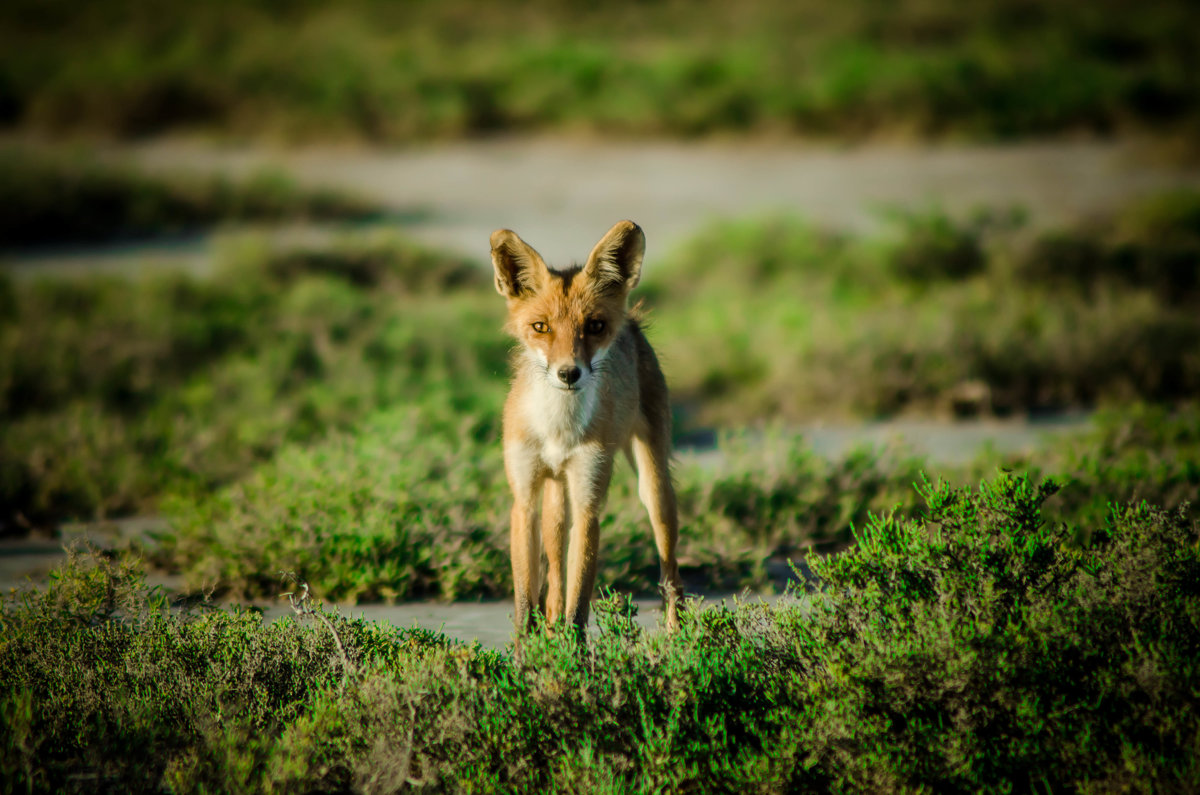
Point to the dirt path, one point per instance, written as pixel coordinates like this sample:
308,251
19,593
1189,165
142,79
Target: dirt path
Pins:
565,194
562,195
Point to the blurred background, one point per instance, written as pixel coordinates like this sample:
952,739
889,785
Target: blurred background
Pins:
245,300
398,72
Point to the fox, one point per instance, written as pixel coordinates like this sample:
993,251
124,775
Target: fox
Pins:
585,385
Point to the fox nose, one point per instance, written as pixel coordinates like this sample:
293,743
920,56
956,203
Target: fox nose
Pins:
569,375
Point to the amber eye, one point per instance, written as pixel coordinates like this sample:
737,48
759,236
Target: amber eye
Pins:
540,327
594,326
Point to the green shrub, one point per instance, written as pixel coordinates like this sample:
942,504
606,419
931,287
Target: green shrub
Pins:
114,391
1138,454
411,506
414,504
933,247
774,318
1152,245
982,646
978,646
1173,216
131,693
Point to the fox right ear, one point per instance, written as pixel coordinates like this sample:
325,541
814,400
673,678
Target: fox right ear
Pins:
616,261
519,269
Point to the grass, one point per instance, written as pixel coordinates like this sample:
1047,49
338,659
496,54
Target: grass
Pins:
375,71
978,646
54,197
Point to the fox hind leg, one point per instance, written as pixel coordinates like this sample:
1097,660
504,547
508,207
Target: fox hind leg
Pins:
651,454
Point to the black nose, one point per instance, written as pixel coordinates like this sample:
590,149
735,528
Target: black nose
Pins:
569,375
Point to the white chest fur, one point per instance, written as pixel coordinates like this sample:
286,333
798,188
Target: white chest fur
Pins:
559,419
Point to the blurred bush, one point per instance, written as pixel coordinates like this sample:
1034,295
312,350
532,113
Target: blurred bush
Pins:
1153,245
387,72
777,318
114,391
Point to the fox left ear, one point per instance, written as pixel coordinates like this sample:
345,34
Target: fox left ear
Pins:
617,258
518,268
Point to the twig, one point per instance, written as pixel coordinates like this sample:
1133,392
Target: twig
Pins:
302,605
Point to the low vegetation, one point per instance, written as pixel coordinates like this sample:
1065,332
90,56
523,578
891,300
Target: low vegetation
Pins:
361,516
114,392
976,646
944,315
54,197
332,412
414,504
388,72
1140,453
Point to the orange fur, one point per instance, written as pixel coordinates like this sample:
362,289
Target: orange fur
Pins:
586,384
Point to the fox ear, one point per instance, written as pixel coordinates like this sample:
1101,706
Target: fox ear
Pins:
617,258
519,269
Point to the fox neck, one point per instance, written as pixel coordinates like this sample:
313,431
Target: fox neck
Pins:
559,418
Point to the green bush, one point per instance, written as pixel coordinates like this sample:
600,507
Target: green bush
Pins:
978,646
981,646
1153,245
933,247
362,515
414,504
775,318
1137,454
104,682
115,391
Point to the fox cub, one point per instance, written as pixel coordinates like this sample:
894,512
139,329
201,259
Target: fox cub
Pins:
586,384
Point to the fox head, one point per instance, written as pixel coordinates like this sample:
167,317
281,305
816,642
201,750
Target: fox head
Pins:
566,320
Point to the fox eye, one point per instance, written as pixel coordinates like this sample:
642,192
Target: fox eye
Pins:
541,327
594,326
